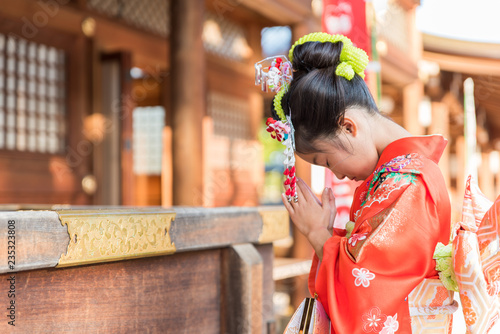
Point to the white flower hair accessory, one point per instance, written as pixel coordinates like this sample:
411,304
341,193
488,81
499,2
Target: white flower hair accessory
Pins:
274,74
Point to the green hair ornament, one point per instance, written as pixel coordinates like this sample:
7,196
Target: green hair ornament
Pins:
353,60
277,104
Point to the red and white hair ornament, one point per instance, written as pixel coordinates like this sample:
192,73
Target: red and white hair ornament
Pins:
274,74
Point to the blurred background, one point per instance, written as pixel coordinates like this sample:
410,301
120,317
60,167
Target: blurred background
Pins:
153,103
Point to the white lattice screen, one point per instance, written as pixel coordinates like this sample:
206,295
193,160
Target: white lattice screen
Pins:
148,123
32,96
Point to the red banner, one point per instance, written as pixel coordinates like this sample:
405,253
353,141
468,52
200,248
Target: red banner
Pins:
347,17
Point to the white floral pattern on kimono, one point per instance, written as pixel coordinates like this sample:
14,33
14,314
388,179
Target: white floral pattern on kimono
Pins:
391,325
357,237
373,321
363,277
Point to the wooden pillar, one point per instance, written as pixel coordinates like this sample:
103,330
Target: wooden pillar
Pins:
441,125
166,168
242,275
207,197
412,94
268,319
188,99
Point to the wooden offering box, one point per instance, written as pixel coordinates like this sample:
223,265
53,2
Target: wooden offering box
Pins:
129,270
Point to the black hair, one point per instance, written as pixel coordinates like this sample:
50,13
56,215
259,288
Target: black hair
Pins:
318,98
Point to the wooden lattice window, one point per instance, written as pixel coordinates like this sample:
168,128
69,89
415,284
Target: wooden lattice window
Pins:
150,15
32,96
225,38
230,116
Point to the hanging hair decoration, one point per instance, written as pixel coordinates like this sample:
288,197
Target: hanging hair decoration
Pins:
274,74
283,132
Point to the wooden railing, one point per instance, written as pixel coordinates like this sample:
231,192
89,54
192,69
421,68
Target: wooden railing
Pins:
149,270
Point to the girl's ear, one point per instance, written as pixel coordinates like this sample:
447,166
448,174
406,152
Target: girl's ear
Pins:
349,126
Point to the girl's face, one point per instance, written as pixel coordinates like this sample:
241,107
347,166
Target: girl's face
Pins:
355,163
352,154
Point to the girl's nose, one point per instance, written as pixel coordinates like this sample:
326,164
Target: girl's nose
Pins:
339,176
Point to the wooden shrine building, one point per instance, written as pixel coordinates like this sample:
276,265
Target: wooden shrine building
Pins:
123,102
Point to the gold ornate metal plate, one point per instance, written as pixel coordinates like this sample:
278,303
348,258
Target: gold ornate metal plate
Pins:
275,224
111,235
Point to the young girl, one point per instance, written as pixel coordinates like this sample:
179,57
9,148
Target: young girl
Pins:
366,278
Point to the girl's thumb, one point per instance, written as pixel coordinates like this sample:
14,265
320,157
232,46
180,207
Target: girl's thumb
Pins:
332,198
325,197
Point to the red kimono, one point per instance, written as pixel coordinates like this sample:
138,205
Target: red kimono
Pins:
400,213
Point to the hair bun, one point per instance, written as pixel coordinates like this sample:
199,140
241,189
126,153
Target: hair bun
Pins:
313,55
348,58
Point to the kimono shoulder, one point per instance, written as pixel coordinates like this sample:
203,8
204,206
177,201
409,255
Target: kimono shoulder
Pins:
399,203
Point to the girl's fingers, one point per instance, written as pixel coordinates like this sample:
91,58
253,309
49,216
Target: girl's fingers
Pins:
287,204
309,190
332,207
307,193
302,194
332,201
325,198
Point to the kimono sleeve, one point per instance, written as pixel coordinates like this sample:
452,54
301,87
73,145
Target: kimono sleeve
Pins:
363,282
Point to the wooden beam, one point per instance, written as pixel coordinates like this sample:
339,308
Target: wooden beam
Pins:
110,35
77,237
39,241
397,67
464,64
290,267
451,46
234,11
280,11
489,105
174,294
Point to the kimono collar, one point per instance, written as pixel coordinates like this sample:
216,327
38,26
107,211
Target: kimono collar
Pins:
431,147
